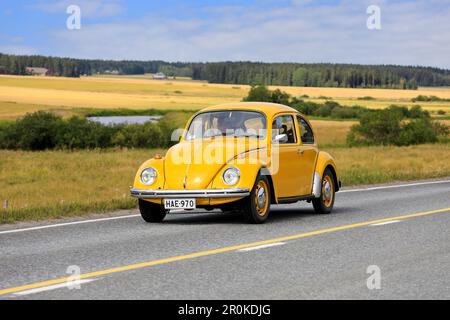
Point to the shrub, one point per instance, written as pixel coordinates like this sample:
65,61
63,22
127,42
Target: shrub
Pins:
376,128
388,127
78,133
345,113
138,136
35,131
259,93
323,111
404,111
366,98
43,130
307,108
428,98
417,131
8,136
281,97
416,112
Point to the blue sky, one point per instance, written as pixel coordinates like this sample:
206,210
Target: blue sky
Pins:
412,32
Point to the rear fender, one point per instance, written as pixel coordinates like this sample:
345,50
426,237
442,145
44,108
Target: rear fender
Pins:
324,161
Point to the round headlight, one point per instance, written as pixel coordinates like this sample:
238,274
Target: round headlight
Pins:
148,176
231,176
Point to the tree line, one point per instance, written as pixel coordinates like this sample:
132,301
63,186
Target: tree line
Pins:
289,74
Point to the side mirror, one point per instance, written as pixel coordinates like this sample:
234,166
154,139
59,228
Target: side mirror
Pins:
280,138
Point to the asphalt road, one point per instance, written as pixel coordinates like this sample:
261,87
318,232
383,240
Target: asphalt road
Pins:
404,231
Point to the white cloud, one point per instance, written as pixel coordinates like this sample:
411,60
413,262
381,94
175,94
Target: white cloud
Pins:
17,49
415,33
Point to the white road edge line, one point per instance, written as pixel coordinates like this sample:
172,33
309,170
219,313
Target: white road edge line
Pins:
262,246
68,224
137,215
395,186
384,223
54,287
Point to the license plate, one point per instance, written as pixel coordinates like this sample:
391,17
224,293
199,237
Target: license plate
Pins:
179,203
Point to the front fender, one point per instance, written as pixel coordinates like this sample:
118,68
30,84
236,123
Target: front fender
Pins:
157,164
249,164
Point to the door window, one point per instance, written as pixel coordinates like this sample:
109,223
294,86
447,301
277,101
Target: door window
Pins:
306,133
283,130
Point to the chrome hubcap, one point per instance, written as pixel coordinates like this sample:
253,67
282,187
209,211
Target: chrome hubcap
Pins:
327,190
261,197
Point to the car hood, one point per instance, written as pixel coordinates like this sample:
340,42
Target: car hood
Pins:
194,164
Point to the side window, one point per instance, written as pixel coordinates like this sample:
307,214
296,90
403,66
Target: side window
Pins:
306,132
283,130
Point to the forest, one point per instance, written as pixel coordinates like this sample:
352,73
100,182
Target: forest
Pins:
289,74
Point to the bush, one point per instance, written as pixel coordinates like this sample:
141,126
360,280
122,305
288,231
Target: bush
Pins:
281,97
78,133
138,136
36,131
43,130
416,112
368,98
376,128
307,108
259,93
404,111
428,99
417,131
345,113
388,127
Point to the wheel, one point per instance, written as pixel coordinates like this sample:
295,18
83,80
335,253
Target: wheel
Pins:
324,204
151,212
256,207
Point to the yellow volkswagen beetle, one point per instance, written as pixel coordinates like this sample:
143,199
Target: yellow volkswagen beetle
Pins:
243,156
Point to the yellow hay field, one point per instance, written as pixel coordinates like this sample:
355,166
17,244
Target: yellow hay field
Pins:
19,95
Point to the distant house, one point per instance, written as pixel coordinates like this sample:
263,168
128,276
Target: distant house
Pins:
113,72
36,71
159,76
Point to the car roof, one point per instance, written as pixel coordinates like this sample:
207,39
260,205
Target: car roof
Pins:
269,109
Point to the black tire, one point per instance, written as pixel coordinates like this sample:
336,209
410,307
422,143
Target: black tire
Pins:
324,204
151,212
252,210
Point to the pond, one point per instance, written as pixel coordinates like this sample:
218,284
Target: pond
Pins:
114,120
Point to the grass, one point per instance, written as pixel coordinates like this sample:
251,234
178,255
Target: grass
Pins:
19,95
368,165
54,184
331,133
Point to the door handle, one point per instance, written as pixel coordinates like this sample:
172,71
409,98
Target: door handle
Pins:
300,151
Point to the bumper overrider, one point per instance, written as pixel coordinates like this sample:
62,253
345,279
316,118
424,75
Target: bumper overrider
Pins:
200,193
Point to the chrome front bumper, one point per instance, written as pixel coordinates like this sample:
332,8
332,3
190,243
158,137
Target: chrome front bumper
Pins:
205,193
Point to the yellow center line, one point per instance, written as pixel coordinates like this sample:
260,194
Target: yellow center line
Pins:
215,251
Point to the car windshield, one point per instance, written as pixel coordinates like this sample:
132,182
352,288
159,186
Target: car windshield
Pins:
236,123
